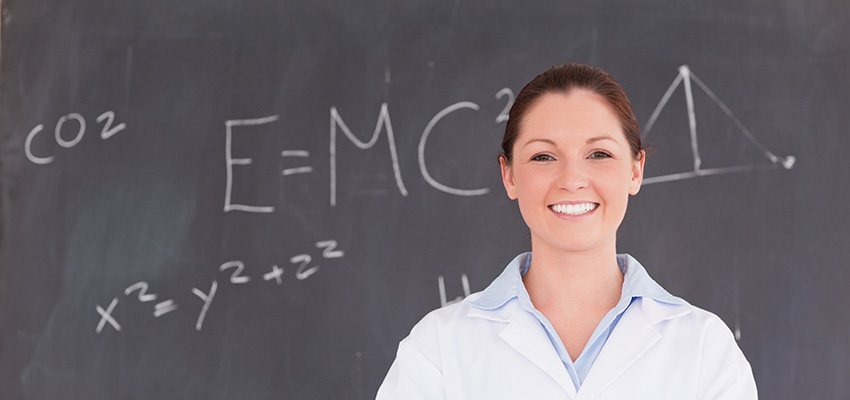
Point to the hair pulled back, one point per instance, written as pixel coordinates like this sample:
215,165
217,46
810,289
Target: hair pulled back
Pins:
563,79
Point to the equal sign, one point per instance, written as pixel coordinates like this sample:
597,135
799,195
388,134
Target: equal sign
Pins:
164,307
297,170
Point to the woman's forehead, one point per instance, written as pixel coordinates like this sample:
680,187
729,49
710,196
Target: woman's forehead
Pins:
579,116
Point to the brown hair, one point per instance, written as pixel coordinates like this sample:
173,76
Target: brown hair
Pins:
562,79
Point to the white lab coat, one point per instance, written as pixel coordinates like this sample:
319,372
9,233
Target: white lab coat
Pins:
657,351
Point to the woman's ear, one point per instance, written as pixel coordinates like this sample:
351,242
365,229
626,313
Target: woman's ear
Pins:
637,173
508,177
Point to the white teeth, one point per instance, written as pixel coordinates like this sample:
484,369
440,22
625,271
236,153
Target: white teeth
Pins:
573,209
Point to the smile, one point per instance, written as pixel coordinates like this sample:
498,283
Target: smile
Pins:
573,209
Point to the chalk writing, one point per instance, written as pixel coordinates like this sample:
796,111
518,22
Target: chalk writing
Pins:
142,287
207,298
383,120
238,267
237,276
276,273
329,247
107,132
296,170
106,316
303,272
503,116
424,170
163,308
337,124
230,162
441,285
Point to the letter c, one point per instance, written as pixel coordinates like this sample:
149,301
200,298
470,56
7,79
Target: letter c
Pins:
28,147
424,139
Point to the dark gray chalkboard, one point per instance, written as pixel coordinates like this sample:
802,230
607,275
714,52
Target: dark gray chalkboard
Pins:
346,247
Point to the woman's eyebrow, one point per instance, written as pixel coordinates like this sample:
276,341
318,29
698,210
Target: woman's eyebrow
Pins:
589,140
598,138
539,140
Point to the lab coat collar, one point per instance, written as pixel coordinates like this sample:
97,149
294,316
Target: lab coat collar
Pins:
634,335
524,334
637,283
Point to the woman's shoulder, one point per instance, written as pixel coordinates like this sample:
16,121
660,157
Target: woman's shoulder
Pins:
454,321
446,323
448,315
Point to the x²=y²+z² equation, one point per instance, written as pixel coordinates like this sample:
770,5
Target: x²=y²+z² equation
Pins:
140,291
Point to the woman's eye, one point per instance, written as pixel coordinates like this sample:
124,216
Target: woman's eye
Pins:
600,154
542,157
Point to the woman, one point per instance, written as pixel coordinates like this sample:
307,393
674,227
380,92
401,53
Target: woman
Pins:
572,319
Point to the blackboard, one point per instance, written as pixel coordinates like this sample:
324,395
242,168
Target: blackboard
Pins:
258,199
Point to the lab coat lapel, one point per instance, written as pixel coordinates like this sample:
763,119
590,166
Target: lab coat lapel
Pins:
525,334
632,337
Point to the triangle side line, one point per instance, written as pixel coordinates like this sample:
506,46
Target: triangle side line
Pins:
772,157
692,117
661,104
704,172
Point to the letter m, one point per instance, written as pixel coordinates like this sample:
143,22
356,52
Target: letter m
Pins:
383,120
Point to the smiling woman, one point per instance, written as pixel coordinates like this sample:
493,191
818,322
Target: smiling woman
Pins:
572,156
572,318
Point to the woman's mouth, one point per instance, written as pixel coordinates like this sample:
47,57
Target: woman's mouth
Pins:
573,209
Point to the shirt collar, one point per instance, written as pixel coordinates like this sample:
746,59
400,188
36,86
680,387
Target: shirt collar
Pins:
636,283
506,286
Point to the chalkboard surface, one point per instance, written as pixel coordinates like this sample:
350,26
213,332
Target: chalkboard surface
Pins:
258,199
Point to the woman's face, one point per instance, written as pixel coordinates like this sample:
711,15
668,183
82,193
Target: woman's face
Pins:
572,172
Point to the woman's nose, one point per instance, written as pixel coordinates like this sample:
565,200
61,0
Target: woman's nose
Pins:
573,177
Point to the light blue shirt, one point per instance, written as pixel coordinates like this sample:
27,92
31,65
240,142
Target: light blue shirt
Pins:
636,283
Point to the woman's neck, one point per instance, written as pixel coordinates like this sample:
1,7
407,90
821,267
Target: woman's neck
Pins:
574,279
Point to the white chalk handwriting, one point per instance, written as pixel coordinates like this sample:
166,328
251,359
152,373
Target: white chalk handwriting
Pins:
441,285
107,132
337,124
237,270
